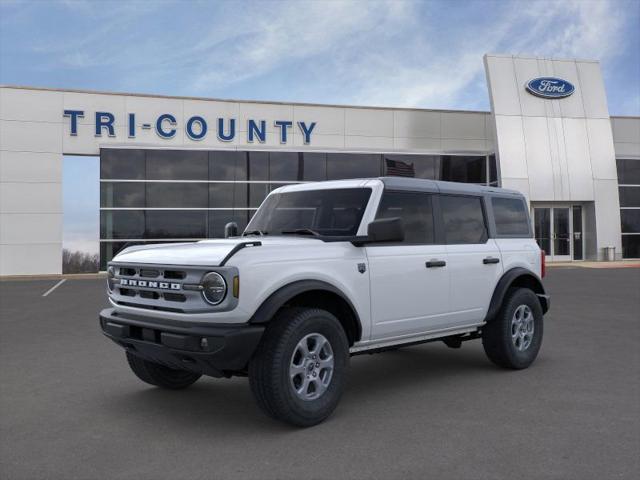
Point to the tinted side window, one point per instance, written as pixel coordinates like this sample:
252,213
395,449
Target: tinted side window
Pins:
463,219
511,216
416,213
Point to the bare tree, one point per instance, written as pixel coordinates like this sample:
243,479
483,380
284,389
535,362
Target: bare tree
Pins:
79,262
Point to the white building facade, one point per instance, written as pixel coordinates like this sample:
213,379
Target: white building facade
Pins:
177,169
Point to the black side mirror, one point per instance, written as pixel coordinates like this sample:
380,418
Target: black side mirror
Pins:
385,230
231,230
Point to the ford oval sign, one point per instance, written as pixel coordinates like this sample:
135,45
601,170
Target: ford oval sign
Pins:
550,87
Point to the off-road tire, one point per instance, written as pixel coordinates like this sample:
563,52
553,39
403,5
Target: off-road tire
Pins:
159,375
269,374
497,334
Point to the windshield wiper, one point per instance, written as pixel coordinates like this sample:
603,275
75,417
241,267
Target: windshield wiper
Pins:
301,231
254,232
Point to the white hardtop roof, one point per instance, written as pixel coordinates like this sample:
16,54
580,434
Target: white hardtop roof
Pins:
401,183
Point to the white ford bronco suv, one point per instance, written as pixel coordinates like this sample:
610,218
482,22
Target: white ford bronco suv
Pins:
328,270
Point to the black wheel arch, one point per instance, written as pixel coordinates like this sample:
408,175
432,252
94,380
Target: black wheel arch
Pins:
516,277
316,294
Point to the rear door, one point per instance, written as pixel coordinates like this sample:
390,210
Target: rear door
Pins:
475,264
409,279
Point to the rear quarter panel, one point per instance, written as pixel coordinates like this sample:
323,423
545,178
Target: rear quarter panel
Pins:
520,252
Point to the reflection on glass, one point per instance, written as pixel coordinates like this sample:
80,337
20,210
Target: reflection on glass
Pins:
510,215
542,222
628,171
176,224
334,212
577,232
122,195
629,196
314,167
415,211
177,195
631,246
219,218
124,164
468,169
227,165
177,165
221,195
285,166
561,240
630,221
258,166
352,165
121,224
463,219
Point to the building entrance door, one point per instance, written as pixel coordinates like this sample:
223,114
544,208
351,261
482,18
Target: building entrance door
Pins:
558,231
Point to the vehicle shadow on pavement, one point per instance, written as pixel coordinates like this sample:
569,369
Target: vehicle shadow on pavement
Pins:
222,405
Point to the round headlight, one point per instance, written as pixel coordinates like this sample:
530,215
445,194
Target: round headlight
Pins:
214,288
111,273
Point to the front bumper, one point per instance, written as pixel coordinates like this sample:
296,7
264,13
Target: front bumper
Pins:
210,349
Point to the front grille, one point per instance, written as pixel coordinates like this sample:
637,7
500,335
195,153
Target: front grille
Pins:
174,275
156,287
146,273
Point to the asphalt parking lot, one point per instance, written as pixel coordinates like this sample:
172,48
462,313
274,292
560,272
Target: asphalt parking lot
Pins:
71,409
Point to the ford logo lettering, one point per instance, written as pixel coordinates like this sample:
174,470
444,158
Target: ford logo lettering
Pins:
550,87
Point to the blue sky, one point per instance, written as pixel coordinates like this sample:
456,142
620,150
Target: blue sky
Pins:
394,53
390,53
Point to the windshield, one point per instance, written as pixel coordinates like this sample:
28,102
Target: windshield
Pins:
332,212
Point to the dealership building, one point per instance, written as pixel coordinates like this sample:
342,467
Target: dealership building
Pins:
178,169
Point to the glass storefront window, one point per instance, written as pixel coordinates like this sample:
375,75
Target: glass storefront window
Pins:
219,218
628,171
227,165
236,182
467,169
631,246
630,221
122,195
177,195
353,165
258,166
176,224
629,196
314,167
177,165
493,171
414,166
122,164
285,166
257,193
122,224
221,195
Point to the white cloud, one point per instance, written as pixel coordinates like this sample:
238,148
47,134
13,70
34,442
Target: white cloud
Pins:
386,52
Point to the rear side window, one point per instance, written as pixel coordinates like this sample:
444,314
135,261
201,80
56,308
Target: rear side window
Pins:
463,219
511,216
415,210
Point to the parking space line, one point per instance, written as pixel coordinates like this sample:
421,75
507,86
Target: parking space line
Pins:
54,287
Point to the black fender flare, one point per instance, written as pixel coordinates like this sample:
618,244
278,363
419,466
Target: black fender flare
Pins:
280,297
520,276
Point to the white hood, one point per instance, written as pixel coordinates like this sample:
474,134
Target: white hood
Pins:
205,252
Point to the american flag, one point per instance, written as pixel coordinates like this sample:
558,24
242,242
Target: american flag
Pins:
398,168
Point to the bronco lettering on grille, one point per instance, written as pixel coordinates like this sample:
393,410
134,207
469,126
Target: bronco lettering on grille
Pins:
130,282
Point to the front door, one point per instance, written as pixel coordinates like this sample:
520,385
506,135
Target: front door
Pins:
558,231
409,279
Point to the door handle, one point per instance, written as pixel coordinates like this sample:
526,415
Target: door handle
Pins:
436,263
490,260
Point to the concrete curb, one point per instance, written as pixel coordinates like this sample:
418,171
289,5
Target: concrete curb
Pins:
68,276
